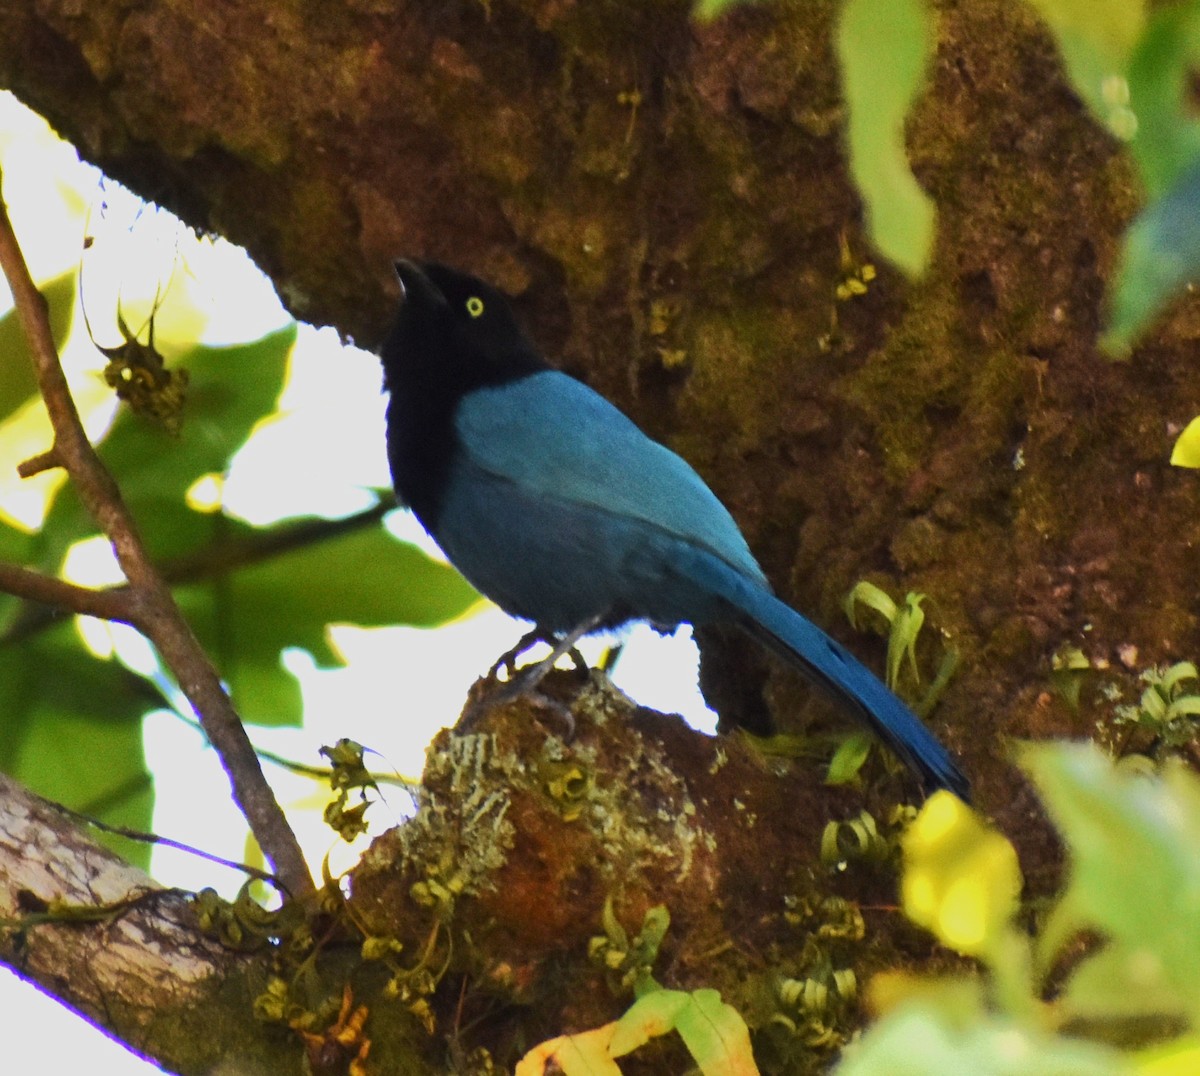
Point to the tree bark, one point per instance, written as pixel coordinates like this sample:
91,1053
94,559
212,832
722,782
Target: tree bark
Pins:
669,203
125,953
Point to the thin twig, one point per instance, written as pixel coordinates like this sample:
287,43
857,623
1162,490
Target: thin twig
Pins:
118,603
142,837
221,557
43,461
159,617
209,563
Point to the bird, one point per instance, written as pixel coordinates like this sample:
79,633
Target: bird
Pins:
552,503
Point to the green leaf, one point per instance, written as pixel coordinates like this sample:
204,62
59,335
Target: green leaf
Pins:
1184,705
1177,674
652,1015
1096,38
947,1031
1160,253
1153,704
883,46
868,594
848,759
72,731
248,615
1112,25
1112,984
1167,138
715,1035
16,547
17,380
1134,872
902,639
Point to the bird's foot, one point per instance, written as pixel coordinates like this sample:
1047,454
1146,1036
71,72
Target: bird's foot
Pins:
525,684
560,646
508,660
527,680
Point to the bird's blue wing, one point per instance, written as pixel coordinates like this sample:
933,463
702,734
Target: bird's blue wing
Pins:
561,444
552,435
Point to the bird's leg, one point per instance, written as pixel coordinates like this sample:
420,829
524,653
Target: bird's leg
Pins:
508,660
527,681
532,676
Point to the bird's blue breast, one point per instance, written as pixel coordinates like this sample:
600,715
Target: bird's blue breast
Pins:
560,509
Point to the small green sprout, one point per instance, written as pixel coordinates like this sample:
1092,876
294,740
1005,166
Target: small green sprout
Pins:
860,839
904,625
848,759
628,963
1167,707
570,786
812,1006
815,995
1068,670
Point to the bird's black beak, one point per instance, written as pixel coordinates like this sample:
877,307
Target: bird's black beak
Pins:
416,285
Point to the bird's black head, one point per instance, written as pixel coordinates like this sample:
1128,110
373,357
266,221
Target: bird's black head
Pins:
454,332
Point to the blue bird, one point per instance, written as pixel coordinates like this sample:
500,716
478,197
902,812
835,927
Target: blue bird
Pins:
561,511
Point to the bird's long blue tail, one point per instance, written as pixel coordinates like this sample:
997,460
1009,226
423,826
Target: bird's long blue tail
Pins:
802,643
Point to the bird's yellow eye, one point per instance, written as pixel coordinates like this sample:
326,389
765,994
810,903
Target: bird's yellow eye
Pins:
474,306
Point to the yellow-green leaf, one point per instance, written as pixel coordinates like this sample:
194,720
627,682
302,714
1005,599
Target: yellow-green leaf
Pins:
883,46
1096,38
961,878
650,1016
1186,452
716,1035
1134,872
584,1054
848,759
873,597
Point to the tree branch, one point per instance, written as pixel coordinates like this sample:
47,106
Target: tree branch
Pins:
157,614
100,936
208,563
221,557
43,461
110,604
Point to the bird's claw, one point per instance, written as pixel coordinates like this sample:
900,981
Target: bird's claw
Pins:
522,684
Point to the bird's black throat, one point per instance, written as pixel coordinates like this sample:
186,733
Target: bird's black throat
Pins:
437,353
